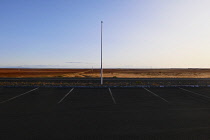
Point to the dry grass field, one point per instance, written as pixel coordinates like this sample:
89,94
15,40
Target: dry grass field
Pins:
111,73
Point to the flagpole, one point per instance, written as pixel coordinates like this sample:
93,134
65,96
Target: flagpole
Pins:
101,56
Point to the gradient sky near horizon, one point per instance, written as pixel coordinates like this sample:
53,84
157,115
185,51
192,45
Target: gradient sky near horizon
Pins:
136,33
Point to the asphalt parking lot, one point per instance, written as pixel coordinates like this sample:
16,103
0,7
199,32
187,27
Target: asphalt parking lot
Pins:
105,113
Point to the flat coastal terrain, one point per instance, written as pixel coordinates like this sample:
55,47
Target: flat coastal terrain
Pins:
108,73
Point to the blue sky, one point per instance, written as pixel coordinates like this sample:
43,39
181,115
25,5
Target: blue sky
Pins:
136,33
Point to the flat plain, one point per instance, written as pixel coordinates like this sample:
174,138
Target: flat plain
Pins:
108,73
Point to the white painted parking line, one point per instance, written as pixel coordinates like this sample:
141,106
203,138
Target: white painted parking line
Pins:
195,93
112,96
65,95
156,95
18,96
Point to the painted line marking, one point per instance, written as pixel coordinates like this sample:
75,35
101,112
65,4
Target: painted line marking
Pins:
65,95
18,96
195,93
156,95
112,96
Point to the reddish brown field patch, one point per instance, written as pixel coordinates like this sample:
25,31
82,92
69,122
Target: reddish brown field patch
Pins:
113,73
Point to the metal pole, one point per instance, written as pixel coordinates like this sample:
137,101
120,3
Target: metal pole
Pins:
101,56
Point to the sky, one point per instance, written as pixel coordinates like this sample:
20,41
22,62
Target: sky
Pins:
136,33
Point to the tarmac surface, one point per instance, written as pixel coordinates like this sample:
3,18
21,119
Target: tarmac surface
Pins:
105,113
107,82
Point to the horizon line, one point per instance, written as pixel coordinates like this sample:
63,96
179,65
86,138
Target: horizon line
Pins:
94,68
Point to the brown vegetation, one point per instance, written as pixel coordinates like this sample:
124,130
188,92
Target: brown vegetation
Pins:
112,73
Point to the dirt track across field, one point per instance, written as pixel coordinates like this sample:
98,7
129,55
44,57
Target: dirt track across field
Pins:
108,73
